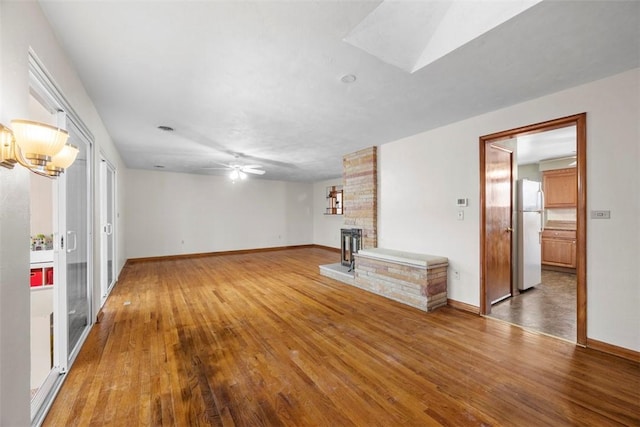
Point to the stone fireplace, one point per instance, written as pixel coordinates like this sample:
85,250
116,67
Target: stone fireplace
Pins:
360,200
418,280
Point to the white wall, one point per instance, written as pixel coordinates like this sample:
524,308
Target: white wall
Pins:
22,25
326,228
212,214
421,176
530,172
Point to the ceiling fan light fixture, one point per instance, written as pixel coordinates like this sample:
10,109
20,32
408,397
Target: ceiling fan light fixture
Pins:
237,171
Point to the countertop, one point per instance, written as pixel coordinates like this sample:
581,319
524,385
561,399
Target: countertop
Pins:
560,225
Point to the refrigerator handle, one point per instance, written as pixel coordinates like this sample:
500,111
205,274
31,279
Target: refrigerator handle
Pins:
541,210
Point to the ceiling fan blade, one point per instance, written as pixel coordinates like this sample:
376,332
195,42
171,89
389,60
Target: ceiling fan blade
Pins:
216,168
253,171
251,167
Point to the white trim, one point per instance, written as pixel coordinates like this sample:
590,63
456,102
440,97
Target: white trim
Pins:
46,89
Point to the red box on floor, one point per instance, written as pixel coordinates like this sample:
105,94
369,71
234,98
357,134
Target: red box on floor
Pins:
36,277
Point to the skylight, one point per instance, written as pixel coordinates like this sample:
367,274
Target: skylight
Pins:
413,34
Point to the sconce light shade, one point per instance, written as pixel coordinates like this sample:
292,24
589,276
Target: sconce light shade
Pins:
38,141
62,160
39,147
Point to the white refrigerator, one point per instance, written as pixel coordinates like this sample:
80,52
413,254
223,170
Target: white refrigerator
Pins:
530,205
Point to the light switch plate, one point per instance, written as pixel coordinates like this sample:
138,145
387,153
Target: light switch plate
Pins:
600,214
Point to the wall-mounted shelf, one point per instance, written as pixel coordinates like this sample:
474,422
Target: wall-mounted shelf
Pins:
334,200
41,269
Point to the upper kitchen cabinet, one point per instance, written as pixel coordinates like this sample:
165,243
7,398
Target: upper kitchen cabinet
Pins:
560,188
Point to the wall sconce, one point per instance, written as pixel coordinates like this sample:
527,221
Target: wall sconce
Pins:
39,147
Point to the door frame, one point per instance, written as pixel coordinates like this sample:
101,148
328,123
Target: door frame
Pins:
580,121
43,88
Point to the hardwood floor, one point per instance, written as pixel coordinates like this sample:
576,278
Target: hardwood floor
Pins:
264,340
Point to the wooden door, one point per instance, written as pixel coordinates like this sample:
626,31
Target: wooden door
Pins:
498,224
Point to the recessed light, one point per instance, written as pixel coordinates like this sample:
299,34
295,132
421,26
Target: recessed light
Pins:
166,128
158,166
348,78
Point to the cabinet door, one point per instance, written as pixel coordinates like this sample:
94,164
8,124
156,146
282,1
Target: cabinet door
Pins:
559,252
560,188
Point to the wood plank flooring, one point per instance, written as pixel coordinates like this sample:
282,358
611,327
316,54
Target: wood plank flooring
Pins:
263,340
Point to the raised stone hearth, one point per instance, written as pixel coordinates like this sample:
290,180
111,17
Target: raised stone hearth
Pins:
414,279
338,272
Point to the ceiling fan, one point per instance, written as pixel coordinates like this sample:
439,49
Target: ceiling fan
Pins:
238,171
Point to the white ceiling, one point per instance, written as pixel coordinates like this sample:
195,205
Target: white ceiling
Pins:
552,144
263,78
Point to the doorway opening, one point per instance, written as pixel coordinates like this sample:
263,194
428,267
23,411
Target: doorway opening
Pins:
533,248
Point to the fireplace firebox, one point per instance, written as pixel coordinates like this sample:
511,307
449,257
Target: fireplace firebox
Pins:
351,243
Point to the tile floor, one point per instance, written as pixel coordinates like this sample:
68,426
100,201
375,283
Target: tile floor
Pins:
549,308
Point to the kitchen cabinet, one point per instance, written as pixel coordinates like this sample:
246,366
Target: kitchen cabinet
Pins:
559,248
560,188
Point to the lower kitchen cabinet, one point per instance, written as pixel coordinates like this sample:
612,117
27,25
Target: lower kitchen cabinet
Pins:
559,248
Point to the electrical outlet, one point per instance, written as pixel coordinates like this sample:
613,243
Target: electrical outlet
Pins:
600,214
456,275
460,215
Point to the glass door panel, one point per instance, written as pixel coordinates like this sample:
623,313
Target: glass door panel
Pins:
44,371
111,247
77,240
107,228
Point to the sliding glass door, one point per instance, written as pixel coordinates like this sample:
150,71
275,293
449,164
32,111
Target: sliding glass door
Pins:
72,270
76,244
107,228
60,326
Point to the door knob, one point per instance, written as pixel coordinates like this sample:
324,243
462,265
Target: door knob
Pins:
509,229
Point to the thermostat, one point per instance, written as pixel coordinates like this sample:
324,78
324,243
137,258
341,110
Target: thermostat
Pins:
462,202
